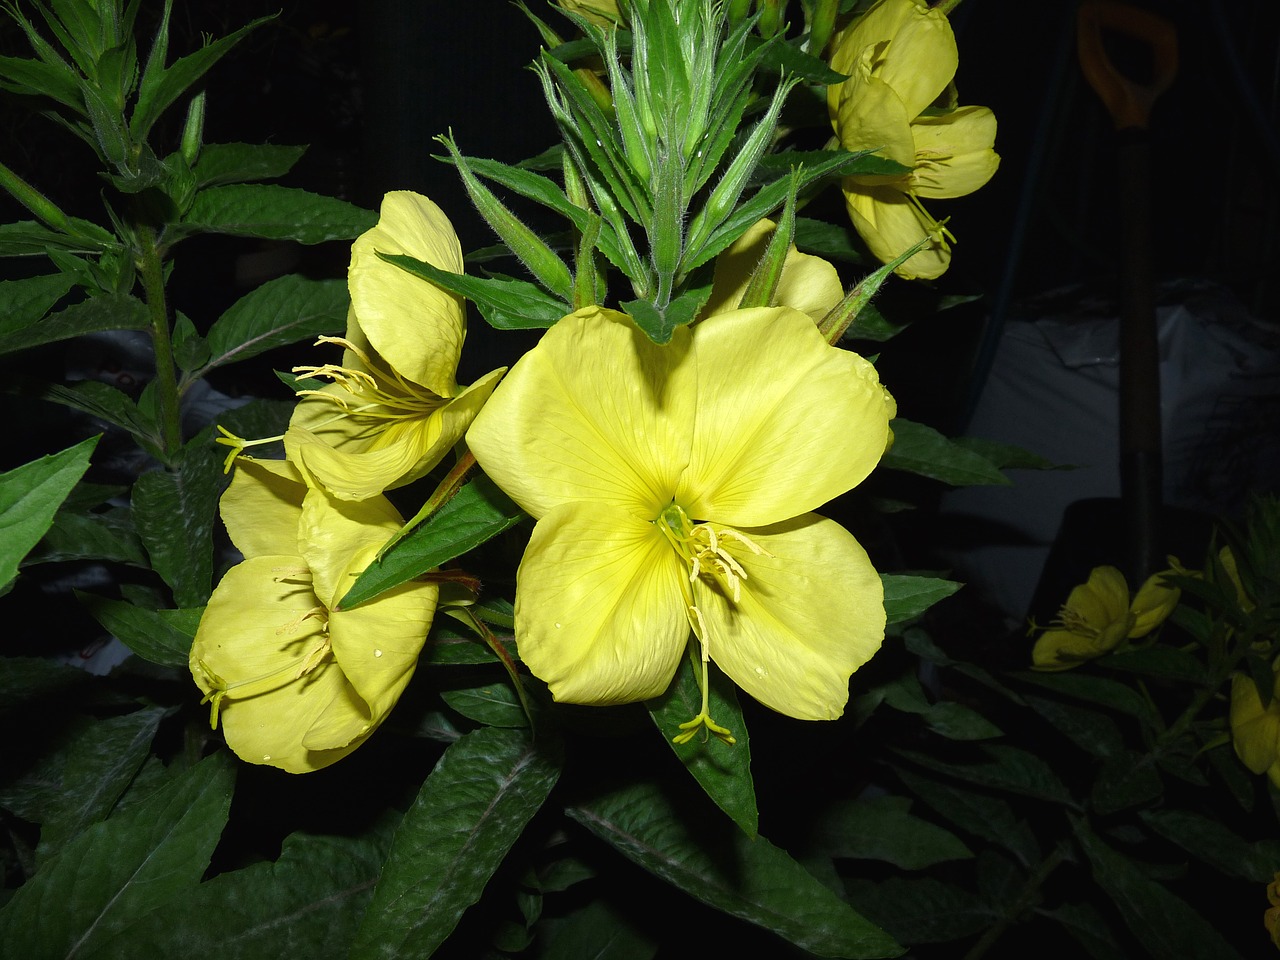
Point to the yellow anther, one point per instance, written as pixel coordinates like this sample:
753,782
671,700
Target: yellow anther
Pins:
315,613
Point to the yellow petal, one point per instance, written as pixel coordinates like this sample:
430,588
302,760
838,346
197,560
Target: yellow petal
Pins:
889,223
416,326
599,609
808,284
1255,732
595,412
1103,600
262,506
953,152
1152,605
809,614
332,531
873,117
1063,649
781,430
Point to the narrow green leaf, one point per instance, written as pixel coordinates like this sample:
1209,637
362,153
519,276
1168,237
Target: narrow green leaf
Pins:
1090,730
599,932
29,498
922,450
27,238
989,818
1216,845
478,512
118,872
1091,930
115,311
281,311
1095,689
831,241
222,163
723,770
161,636
1166,925
1168,663
96,399
1008,456
174,511
274,213
1005,768
719,865
493,703
471,809
906,597
26,301
921,909
90,536
1126,779
305,904
28,77
505,304
883,828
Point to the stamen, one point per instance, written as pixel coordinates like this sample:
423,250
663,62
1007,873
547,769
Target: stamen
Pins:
237,445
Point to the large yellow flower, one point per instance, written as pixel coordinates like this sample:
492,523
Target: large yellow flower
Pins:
900,56
297,683
1255,729
394,408
671,485
1097,617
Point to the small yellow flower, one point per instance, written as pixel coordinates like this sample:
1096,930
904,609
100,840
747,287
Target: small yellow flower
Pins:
394,408
1255,729
299,684
671,487
900,57
1271,919
808,283
1098,617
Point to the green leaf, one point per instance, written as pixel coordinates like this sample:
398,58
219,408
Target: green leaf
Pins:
447,647
659,324
29,238
26,301
1006,768
274,213
494,703
1166,925
719,865
1127,779
1090,929
280,312
115,311
90,536
478,512
146,859
29,498
1091,731
1093,688
162,85
1007,456
1168,663
504,304
922,450
161,636
305,904
221,163
989,818
98,400
921,909
831,241
174,511
723,770
882,828
871,324
906,597
471,809
599,932
1216,845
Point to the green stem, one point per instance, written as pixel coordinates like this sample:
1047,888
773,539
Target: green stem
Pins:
946,6
151,269
1026,897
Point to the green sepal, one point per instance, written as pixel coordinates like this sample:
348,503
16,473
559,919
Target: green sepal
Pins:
659,323
505,304
763,284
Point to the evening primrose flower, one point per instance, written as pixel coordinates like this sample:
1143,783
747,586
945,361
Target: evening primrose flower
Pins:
900,57
1098,616
1255,729
394,408
808,283
671,487
297,683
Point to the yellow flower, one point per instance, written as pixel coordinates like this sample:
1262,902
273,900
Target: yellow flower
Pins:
808,283
394,408
297,683
1255,729
603,13
1271,919
1097,617
671,486
900,57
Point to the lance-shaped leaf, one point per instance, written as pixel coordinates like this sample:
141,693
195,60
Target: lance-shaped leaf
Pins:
161,636
1166,925
118,872
1216,844
478,512
722,769
1005,768
26,301
115,311
989,818
471,809
906,597
505,304
273,213
281,311
883,828
718,864
27,238
30,496
222,163
922,450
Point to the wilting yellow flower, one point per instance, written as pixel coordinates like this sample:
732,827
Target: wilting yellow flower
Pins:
671,485
394,408
1097,617
900,57
1255,729
297,683
808,283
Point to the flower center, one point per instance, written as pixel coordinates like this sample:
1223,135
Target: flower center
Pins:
377,392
